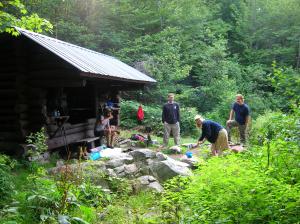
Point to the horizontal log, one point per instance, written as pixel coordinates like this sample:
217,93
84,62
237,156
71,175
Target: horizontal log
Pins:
58,142
9,127
53,76
10,118
57,83
23,116
8,75
8,92
24,123
36,92
6,111
46,63
8,97
70,130
7,69
6,103
49,73
21,108
6,136
7,84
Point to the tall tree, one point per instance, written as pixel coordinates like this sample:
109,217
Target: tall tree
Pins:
13,13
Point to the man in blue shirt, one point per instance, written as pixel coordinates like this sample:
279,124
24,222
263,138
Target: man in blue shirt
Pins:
241,118
171,119
214,133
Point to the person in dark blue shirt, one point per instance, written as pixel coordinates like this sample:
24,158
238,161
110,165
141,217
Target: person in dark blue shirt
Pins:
171,119
214,133
241,113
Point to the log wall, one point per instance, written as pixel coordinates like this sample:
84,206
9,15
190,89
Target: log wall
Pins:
27,71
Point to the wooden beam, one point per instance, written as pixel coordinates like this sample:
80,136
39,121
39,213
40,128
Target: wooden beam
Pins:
58,142
51,72
57,83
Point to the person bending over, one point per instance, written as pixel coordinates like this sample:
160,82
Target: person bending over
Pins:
214,133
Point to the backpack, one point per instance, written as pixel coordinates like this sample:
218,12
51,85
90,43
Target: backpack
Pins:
140,114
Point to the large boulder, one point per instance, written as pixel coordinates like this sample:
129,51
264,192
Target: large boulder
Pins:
142,154
168,169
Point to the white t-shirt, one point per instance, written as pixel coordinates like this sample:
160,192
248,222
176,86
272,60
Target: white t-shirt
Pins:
104,123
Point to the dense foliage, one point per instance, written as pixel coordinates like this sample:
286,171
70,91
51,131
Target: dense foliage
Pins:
259,186
205,52
153,118
14,13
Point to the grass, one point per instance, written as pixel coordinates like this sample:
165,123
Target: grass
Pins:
140,208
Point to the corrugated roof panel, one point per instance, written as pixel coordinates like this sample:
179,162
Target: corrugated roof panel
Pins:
88,61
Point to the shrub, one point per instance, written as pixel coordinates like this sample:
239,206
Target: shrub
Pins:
153,118
276,141
6,180
234,190
38,140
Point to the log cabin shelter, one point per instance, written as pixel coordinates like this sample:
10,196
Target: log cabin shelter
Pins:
40,75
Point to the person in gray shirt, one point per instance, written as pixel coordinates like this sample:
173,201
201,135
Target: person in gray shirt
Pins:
102,128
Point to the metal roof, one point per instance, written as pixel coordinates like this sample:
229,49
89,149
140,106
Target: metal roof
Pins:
88,61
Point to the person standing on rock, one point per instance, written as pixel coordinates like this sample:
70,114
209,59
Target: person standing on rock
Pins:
241,118
214,133
171,120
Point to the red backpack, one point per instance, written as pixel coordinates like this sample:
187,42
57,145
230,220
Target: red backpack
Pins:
140,114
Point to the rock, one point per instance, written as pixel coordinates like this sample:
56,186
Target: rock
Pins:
149,161
111,173
40,158
130,169
156,186
175,149
164,170
160,156
142,154
147,183
145,180
119,161
144,170
92,166
46,156
119,169
122,174
192,162
59,163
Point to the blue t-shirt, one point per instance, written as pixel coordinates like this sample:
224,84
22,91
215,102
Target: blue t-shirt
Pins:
210,131
241,112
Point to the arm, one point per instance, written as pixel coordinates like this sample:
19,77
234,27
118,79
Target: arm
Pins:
247,120
163,118
204,133
199,143
231,114
178,113
247,117
230,117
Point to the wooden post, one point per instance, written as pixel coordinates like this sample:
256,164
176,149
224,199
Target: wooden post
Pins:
96,102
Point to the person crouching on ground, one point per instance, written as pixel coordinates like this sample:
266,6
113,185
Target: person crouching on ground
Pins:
102,128
214,133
